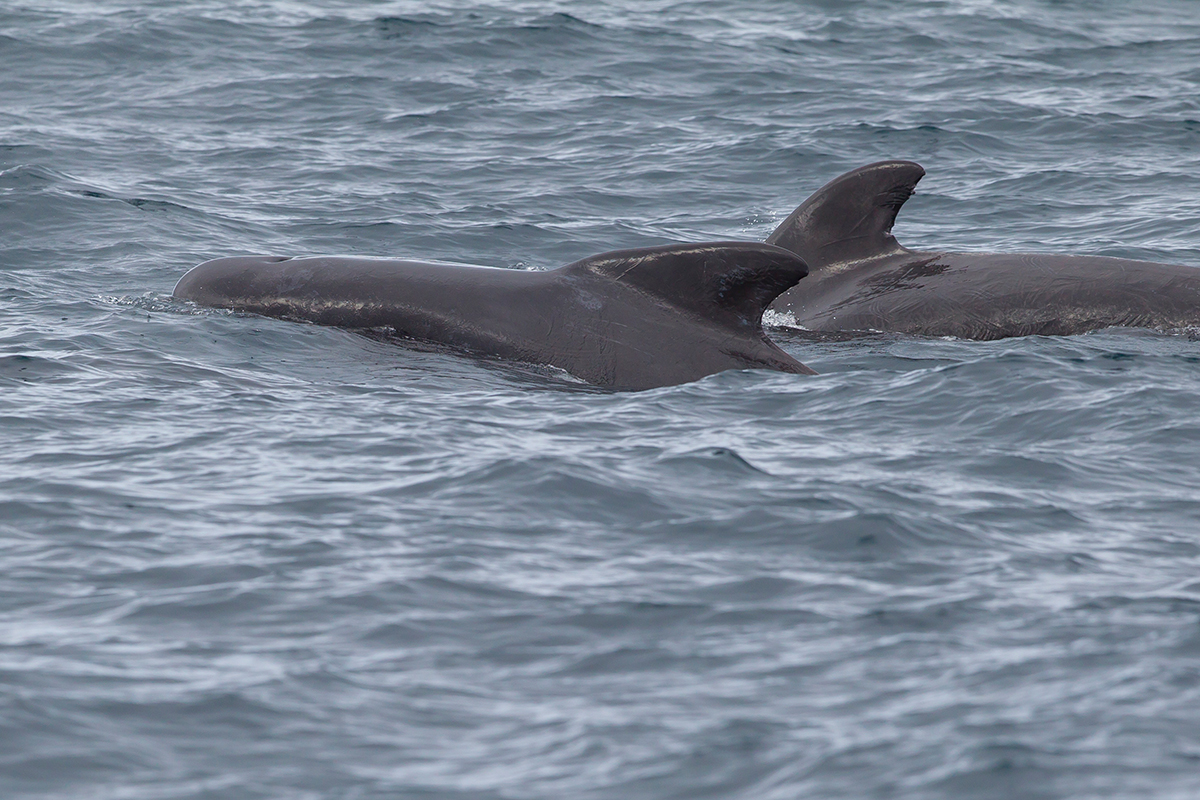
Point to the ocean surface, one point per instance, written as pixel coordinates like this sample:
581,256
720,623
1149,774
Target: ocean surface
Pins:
247,558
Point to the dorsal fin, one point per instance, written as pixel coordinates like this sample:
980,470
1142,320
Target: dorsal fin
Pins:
727,282
851,217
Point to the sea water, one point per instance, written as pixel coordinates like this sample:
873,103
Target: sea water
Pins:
248,558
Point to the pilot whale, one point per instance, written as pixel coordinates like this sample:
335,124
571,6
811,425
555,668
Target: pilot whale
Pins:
626,319
862,279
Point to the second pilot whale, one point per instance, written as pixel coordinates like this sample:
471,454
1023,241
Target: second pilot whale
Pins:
862,279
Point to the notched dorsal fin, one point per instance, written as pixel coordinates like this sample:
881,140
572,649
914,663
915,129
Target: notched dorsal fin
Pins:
728,282
851,217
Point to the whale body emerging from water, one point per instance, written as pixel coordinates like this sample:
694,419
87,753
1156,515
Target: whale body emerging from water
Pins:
862,279
627,319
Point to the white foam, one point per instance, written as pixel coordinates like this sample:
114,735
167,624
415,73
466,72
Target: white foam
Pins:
781,319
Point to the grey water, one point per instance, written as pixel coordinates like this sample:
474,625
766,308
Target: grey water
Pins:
247,558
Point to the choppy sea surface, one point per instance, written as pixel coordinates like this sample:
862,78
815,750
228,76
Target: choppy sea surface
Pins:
247,558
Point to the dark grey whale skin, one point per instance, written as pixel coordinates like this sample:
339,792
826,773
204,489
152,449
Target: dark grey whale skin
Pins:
862,279
627,319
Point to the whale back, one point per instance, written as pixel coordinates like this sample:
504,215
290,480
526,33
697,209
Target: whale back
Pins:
850,218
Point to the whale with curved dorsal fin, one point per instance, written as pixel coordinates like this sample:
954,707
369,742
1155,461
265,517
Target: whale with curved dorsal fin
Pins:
862,279
627,319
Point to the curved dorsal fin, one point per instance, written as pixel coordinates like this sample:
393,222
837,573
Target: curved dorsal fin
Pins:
850,218
726,282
